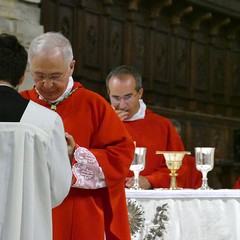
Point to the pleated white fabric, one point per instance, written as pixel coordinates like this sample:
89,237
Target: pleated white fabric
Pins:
35,174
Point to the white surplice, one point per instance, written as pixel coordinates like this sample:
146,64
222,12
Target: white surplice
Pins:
35,174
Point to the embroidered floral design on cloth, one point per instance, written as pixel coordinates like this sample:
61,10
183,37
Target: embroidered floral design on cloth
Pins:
135,216
152,231
87,171
158,228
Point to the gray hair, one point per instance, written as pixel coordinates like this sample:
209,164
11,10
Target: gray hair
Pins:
51,40
125,70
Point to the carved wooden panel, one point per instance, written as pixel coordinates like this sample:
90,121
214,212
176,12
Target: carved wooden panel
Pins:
92,36
49,21
188,53
161,57
180,71
201,67
115,43
200,136
235,74
89,47
217,68
181,62
139,48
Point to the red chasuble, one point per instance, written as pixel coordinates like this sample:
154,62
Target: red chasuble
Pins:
237,184
156,133
94,125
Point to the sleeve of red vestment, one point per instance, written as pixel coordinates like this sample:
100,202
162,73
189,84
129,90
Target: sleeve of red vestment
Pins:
237,184
86,170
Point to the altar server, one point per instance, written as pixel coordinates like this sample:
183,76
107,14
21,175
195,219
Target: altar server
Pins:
34,164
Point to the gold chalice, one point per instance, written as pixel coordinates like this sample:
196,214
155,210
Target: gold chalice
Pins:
173,162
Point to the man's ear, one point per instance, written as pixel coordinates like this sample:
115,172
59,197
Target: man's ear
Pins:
141,92
72,65
21,79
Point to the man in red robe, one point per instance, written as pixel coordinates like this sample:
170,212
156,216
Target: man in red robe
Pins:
150,130
237,184
95,208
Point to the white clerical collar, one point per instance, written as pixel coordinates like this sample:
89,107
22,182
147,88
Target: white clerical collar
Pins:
140,113
67,91
5,85
8,85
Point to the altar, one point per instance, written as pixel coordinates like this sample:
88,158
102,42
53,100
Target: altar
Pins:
184,214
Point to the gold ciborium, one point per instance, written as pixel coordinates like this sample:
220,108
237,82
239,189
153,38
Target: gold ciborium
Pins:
173,162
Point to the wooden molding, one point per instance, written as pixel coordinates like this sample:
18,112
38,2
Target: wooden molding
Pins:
108,2
233,32
157,7
133,5
199,20
218,25
176,18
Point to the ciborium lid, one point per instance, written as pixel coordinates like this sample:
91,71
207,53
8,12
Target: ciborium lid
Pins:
173,155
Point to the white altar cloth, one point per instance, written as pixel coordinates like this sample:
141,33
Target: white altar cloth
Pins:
184,214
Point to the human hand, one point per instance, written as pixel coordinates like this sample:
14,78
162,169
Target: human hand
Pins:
70,145
122,114
143,182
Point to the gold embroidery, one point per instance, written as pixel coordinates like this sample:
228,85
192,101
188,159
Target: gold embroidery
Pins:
54,105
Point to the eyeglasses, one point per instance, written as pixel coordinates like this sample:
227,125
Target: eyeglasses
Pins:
126,98
54,77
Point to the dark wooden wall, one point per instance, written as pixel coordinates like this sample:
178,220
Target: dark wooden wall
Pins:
188,52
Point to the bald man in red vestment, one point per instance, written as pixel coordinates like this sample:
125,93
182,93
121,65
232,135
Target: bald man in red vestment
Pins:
150,130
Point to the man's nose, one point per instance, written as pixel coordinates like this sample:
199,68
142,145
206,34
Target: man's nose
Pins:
47,83
122,103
